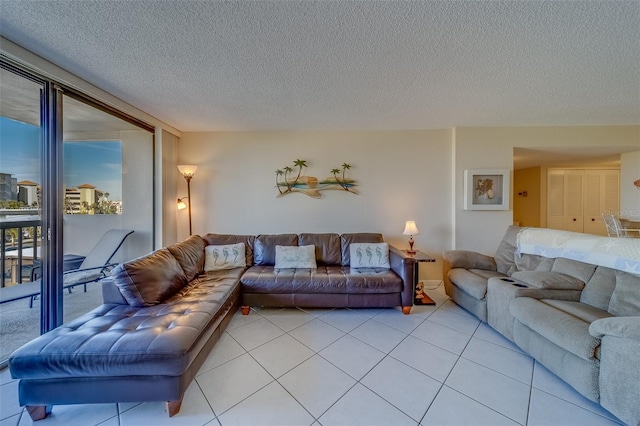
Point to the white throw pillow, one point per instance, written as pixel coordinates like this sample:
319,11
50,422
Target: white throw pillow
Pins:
224,257
289,257
369,255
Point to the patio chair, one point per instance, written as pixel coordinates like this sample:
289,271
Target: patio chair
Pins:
93,268
615,228
97,263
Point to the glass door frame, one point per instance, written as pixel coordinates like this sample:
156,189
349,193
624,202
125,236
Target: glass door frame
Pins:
50,217
52,186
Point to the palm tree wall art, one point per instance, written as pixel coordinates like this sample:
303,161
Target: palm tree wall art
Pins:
289,180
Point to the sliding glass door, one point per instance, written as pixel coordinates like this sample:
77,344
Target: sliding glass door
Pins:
107,179
73,173
21,140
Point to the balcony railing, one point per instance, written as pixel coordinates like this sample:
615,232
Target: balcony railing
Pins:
20,251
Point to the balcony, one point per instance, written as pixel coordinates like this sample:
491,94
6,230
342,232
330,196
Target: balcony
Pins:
19,257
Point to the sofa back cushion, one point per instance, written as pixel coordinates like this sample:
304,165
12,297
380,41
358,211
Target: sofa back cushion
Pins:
226,239
533,262
369,255
295,257
580,270
597,292
264,248
150,279
505,254
190,255
361,237
327,247
625,299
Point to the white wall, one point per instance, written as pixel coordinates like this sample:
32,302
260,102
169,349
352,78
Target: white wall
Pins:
477,148
403,175
629,193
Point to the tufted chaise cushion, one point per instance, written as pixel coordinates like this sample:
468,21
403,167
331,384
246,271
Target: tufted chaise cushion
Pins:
120,340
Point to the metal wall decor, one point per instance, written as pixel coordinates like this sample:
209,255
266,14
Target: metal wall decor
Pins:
291,179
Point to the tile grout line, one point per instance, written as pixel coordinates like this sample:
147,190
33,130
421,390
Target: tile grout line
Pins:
445,379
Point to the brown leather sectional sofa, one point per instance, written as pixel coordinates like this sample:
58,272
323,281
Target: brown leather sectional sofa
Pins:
162,315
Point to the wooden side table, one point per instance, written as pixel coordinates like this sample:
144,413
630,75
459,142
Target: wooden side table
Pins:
420,297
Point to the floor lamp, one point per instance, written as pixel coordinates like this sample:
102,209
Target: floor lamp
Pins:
187,171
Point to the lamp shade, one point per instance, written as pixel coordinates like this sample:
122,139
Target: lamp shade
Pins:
410,228
187,169
181,204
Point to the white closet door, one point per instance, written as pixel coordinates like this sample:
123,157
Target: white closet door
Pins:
576,199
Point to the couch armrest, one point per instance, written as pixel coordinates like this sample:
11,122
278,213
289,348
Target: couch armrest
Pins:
624,327
111,293
619,373
464,259
402,264
469,260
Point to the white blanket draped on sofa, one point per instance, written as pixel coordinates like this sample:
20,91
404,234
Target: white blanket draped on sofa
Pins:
617,253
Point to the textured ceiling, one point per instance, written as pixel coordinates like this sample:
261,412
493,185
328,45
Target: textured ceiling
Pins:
339,65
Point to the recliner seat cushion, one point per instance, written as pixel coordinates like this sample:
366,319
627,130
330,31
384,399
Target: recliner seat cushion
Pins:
324,279
579,310
150,279
561,328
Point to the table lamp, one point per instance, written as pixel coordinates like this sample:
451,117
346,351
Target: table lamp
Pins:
410,229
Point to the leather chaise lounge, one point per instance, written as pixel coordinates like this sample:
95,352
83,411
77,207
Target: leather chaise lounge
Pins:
164,312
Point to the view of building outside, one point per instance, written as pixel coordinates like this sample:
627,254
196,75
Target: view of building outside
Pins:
92,172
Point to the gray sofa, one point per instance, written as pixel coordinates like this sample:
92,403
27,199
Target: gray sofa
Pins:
580,320
163,313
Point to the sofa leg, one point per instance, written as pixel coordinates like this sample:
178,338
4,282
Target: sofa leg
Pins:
406,310
245,310
173,407
38,412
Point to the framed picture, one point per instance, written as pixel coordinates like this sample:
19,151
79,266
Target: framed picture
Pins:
486,189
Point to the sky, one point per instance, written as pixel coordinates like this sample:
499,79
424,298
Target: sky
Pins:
95,163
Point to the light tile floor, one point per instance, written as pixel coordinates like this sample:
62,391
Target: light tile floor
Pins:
437,366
